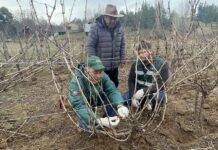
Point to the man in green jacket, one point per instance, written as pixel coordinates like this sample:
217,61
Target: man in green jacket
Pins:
92,92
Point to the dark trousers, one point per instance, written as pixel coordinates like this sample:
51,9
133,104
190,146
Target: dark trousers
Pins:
113,75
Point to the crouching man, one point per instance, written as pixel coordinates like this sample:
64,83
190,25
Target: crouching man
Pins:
147,76
94,97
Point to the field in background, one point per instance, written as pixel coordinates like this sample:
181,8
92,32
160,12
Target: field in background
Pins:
30,113
32,119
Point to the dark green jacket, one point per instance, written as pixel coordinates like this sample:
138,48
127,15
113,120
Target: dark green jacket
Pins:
106,88
143,76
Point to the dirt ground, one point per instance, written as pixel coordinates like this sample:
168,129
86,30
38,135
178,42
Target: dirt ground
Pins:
30,118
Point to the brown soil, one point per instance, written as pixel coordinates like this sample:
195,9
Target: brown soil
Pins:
31,111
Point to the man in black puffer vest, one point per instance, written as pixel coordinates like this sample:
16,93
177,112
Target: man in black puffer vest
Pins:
106,40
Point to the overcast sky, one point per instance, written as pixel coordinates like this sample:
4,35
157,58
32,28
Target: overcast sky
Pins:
93,6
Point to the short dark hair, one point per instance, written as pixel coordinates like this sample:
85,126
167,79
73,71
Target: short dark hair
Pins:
143,44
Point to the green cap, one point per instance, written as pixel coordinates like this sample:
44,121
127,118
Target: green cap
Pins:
95,63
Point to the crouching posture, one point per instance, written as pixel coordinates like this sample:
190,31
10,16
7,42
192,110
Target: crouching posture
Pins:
94,97
147,76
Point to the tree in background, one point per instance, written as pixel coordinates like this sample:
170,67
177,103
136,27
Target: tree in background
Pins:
145,15
6,22
129,20
207,13
148,16
5,16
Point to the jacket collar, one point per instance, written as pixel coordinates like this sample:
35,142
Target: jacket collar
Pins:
101,23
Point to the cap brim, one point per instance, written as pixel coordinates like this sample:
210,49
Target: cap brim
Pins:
115,16
98,67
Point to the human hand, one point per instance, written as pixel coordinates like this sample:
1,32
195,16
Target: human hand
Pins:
138,95
149,107
135,102
110,122
123,111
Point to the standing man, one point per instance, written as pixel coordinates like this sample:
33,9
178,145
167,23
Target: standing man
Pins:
147,76
106,40
94,97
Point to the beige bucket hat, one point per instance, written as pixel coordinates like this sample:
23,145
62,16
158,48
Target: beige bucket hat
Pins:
111,10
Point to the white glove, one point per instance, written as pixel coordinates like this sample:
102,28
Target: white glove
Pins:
110,122
123,111
138,95
149,106
135,102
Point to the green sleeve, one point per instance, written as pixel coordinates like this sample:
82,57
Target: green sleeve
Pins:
76,101
111,91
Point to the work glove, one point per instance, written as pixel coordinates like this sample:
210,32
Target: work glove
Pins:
110,122
135,99
123,111
135,102
149,107
138,95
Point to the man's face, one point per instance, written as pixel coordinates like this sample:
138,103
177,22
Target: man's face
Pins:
94,75
110,21
145,55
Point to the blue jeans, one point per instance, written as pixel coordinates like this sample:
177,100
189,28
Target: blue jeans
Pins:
160,100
